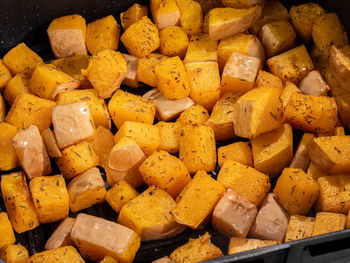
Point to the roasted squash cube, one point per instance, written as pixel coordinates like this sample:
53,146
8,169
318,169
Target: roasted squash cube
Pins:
146,68
173,41
154,201
315,172
5,75
130,79
326,222
66,254
191,16
18,202
239,244
339,60
14,254
165,13
120,194
288,90
17,85
195,114
301,158
133,15
201,49
51,143
102,144
239,152
169,133
267,79
61,236
8,156
299,227
8,236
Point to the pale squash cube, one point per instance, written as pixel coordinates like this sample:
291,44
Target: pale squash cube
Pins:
51,143
314,84
130,79
102,144
61,236
165,13
301,158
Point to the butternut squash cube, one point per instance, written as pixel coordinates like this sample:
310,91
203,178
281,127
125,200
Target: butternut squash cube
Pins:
172,79
8,156
197,148
51,143
17,85
242,43
221,118
29,109
102,34
120,194
141,38
106,72
299,227
14,254
66,254
165,13
132,15
130,79
146,68
326,222
173,41
296,191
301,158
67,35
124,161
61,236
8,236
196,250
201,49
125,106
102,144
239,244
314,84
5,75
18,202
195,114
197,200
191,16
169,133
225,22
288,90
239,152
273,150
245,181
77,159
154,201
267,79
258,111
21,59
339,60
315,172
86,190
50,198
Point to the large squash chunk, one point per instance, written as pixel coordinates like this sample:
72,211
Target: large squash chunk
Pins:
328,222
299,227
191,16
173,41
8,156
14,253
149,215
132,15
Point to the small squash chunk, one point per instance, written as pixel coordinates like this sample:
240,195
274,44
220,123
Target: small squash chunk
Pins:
292,65
239,244
239,73
66,254
18,202
125,106
201,49
258,111
205,83
271,223
19,84
31,152
315,172
61,236
51,143
120,194
2,109
288,90
267,79
124,161
106,72
225,22
77,159
130,79
303,17
97,106
328,31
173,41
86,190
245,181
165,13
191,16
29,109
334,194
145,135
195,114
102,144
326,222
167,109
196,250
340,62
21,59
7,234
141,38
165,171
102,34
239,152
67,36
8,156
137,215
311,113
132,15
296,191
50,198
13,253
197,200
146,68
277,37
299,227
221,118
197,148
301,158
5,75
273,150
172,79
243,43
234,215
47,81
314,84
72,123
169,133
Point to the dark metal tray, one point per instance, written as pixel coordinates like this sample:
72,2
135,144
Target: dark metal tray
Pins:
27,20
